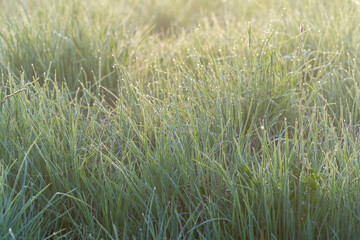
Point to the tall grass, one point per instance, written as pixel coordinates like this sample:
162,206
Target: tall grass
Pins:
154,120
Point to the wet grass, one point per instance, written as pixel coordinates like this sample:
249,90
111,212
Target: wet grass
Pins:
165,120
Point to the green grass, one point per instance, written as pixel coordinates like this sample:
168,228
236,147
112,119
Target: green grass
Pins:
169,120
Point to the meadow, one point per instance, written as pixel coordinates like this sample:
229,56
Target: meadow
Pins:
169,119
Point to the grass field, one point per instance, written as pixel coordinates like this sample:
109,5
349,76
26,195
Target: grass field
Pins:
169,119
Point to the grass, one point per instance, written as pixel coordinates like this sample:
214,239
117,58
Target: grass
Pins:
164,120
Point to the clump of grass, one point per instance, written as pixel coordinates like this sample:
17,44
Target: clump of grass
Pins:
210,130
